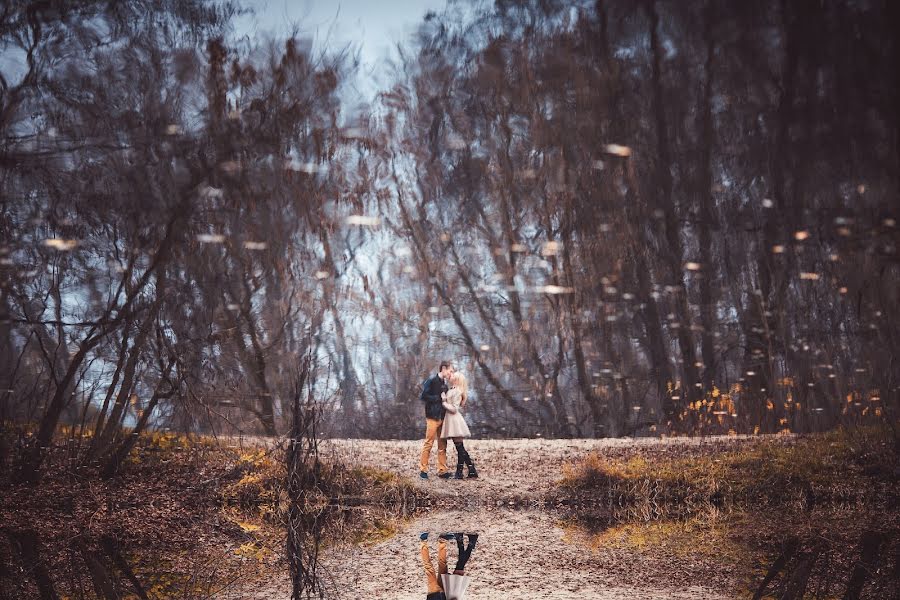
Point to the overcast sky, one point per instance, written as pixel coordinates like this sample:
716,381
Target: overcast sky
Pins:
374,25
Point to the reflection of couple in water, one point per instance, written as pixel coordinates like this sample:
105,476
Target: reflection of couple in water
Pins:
443,585
445,395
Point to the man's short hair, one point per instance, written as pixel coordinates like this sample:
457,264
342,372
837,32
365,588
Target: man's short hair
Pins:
445,364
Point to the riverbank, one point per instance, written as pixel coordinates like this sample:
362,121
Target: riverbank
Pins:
189,517
655,518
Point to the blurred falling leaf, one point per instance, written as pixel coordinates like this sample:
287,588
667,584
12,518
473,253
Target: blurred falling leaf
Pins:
61,244
210,238
801,235
767,203
321,275
550,248
255,245
553,289
809,276
363,221
692,266
617,150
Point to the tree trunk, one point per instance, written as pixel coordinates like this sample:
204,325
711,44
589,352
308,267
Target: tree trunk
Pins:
706,213
675,255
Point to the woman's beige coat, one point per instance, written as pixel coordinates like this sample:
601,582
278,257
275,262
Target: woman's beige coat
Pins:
454,423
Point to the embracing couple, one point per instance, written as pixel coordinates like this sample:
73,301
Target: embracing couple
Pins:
445,395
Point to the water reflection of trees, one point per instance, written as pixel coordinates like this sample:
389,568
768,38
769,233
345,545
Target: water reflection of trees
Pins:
706,187
620,218
161,186
781,553
662,217
103,567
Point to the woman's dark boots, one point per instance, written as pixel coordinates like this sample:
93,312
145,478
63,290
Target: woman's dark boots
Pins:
463,458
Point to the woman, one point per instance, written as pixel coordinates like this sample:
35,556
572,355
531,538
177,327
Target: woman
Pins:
455,424
456,584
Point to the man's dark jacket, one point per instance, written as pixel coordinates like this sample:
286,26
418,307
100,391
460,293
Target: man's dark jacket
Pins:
432,389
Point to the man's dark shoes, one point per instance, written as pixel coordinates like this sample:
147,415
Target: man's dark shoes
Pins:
449,536
473,474
423,474
423,536
444,475
458,473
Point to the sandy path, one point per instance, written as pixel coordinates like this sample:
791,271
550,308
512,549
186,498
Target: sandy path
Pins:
517,471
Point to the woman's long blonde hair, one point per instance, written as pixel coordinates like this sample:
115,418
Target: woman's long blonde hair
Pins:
459,380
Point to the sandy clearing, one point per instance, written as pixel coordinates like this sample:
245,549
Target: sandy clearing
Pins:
521,471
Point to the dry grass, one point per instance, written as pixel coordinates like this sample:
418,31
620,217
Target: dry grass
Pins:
732,510
844,466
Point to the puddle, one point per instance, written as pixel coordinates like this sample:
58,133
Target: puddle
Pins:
478,552
527,554
99,568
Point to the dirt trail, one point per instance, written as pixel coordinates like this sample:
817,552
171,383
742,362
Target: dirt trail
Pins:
517,471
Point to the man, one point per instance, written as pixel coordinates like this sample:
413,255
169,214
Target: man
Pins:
432,395
435,591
